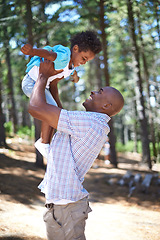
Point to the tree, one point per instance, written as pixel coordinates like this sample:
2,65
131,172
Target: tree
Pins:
6,38
112,138
146,78
139,89
2,121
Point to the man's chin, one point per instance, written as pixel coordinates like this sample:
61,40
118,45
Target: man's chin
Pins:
84,105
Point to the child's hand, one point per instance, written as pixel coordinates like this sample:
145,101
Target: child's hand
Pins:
27,49
75,77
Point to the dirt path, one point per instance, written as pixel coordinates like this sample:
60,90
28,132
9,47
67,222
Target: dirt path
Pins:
115,216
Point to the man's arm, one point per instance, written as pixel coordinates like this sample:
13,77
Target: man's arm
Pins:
38,107
27,49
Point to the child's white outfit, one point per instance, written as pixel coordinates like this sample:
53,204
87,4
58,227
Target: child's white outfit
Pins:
61,62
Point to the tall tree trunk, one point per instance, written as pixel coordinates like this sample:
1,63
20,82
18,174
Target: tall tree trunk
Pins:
26,121
29,21
98,73
140,101
39,157
10,85
156,9
112,138
135,127
2,121
146,76
12,110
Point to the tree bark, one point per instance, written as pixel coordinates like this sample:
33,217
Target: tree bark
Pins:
2,121
39,157
139,90
112,139
10,85
146,76
29,19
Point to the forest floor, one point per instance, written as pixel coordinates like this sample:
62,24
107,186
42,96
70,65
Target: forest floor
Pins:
116,215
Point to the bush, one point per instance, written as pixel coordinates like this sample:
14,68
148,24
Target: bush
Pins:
8,128
26,131
128,147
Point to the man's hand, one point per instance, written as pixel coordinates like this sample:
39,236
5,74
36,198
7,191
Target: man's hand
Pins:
47,69
27,49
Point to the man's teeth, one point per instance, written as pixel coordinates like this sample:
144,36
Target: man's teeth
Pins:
89,98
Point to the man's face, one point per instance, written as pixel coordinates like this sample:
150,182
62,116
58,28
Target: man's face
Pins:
96,100
80,58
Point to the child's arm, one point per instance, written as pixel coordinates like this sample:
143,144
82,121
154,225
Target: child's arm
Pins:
54,91
27,49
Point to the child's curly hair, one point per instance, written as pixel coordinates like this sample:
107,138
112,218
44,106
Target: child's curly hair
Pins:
87,40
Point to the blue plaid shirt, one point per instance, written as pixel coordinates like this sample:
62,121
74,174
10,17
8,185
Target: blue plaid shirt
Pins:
79,138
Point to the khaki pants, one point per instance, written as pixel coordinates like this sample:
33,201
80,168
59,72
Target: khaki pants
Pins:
67,222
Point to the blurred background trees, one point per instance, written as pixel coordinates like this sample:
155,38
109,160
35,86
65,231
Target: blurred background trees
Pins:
130,35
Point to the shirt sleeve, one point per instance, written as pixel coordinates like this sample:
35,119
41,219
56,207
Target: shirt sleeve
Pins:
61,61
76,123
63,56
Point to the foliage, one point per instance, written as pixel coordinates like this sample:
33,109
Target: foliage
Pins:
128,147
26,131
9,128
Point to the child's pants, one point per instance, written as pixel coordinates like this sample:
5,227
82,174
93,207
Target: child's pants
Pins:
28,85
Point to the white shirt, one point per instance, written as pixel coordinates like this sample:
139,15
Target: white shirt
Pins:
34,72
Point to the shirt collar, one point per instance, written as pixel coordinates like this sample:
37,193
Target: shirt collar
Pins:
102,117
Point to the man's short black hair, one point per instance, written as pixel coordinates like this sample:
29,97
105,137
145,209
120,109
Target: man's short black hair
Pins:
87,40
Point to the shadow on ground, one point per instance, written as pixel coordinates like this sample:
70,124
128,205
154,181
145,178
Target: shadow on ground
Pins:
19,180
20,177
20,238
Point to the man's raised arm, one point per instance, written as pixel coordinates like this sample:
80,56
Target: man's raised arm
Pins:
38,107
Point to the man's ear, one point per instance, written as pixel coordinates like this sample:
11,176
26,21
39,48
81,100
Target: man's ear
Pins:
76,48
107,106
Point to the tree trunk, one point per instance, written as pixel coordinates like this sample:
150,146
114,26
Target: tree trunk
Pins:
112,139
12,110
39,157
139,90
135,127
29,21
10,86
156,8
104,42
146,76
98,73
26,121
2,121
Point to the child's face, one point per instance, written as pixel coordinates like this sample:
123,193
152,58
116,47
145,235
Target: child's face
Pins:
80,58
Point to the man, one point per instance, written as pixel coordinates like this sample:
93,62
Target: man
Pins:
79,138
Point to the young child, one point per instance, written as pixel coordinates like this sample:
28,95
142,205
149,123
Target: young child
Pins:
84,46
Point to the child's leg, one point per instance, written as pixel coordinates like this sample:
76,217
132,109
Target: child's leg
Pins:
41,144
46,130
